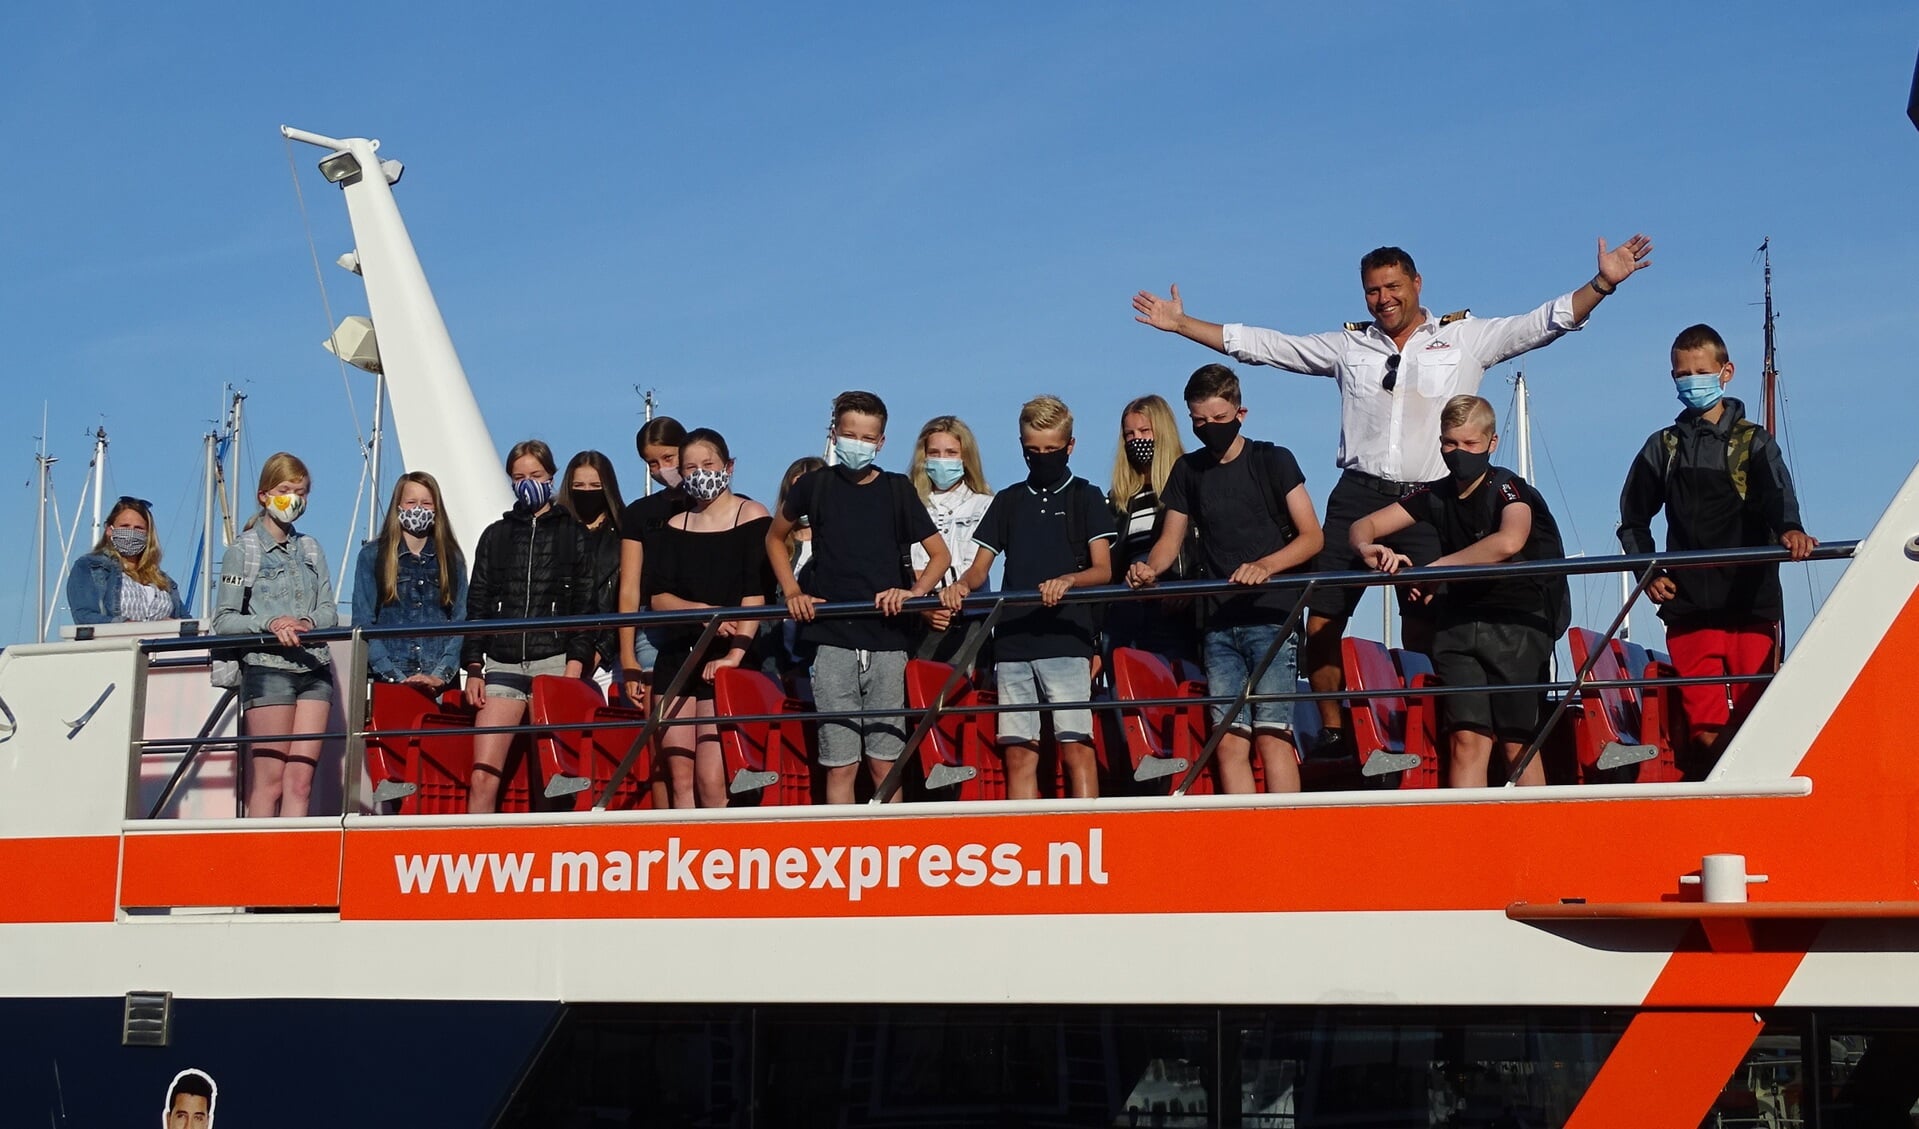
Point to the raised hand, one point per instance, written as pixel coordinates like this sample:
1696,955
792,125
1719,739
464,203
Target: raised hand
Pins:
1160,313
1619,264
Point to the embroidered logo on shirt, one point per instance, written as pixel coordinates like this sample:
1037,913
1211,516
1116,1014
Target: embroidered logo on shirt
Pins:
1438,345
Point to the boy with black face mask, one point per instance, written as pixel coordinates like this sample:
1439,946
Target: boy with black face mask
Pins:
1255,520
1056,532
1490,632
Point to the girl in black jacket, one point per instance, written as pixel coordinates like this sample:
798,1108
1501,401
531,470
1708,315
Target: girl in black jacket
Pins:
590,491
532,563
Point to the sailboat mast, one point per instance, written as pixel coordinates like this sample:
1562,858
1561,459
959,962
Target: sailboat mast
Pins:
378,440
211,441
234,418
99,477
646,410
1523,424
45,462
1769,379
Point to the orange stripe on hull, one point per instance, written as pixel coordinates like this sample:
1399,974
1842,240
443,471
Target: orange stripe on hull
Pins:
232,868
57,880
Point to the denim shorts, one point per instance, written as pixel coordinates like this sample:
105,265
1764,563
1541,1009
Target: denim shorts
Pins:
646,647
515,680
272,686
1230,654
1045,680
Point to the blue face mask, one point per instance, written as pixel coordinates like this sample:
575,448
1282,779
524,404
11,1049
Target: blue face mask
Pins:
854,454
1700,391
945,472
533,493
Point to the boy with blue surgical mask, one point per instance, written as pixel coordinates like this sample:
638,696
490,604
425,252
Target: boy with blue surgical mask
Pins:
1723,483
863,520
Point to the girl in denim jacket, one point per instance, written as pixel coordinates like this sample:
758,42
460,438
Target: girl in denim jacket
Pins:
412,573
120,581
285,689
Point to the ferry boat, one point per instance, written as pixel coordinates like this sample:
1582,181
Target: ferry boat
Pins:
1619,948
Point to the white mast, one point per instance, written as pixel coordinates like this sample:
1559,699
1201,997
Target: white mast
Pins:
229,486
45,462
440,426
1523,425
373,487
646,409
99,478
211,442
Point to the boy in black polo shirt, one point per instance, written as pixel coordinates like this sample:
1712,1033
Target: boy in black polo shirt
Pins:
1490,632
863,519
1056,532
1255,521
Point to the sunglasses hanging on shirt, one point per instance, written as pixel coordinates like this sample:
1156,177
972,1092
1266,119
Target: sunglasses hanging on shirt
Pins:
1392,373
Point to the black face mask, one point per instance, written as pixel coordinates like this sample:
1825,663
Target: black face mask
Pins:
1467,466
1139,452
1046,470
1217,437
589,506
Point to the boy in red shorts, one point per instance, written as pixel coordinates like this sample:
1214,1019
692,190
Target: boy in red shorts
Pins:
1724,485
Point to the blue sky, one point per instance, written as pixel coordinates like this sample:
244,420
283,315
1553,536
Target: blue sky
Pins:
752,207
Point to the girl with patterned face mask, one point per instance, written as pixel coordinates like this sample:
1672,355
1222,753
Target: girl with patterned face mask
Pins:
710,556
413,572
120,580
274,581
1149,446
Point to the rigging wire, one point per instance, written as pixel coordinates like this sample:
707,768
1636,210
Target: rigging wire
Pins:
326,305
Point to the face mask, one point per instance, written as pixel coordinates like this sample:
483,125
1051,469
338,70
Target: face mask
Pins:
1139,452
533,493
128,542
286,508
1218,437
945,472
416,519
1701,391
706,485
854,454
667,476
1466,466
588,505
1046,469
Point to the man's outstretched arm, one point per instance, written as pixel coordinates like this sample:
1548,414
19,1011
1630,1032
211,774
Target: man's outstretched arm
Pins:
1615,267
1169,314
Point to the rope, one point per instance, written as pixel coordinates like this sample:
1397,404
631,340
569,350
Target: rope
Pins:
326,306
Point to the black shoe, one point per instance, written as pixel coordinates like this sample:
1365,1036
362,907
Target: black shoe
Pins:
1332,744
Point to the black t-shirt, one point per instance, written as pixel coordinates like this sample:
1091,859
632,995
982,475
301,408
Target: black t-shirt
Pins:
645,514
1463,521
718,567
860,535
1240,510
1034,531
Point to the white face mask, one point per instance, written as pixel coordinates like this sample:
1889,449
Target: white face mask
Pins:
854,454
286,508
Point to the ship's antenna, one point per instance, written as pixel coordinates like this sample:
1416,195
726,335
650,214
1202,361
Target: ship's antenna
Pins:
649,400
1769,378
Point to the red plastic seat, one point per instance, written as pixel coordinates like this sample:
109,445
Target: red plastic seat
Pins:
573,753
1388,725
1163,742
1421,733
445,768
960,739
784,748
1613,720
392,763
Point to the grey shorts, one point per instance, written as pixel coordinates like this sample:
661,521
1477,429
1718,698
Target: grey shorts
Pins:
272,686
1045,680
515,680
845,680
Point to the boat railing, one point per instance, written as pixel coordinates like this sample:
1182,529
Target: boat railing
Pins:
981,612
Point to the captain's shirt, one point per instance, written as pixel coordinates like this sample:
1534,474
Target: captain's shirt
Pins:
1395,434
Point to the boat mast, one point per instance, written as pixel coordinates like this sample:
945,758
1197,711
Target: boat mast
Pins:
1769,378
378,439
647,402
45,463
99,477
1523,424
210,441
229,489
437,419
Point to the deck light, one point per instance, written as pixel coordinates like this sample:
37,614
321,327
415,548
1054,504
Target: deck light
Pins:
355,344
341,168
349,262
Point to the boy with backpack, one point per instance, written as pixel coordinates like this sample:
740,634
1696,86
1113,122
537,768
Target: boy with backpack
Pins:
1055,531
1723,484
863,519
1489,632
1255,520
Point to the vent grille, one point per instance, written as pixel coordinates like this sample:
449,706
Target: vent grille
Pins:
148,1021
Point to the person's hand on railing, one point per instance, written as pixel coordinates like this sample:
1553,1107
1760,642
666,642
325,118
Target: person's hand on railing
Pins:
1800,544
287,629
1050,591
1141,575
800,606
1252,574
953,596
892,600
1662,588
1379,558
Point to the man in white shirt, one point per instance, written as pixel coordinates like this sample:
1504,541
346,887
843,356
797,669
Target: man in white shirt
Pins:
1395,374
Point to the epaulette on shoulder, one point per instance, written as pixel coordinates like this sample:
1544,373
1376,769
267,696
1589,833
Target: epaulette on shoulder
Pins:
1456,315
1357,326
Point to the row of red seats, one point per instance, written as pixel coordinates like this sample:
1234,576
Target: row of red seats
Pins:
1615,735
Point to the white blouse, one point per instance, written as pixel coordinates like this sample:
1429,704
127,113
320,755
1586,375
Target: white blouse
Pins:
956,514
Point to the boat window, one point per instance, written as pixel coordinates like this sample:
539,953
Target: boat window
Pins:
1870,1077
1769,1087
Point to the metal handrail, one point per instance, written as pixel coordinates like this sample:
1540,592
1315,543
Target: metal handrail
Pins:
1109,593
